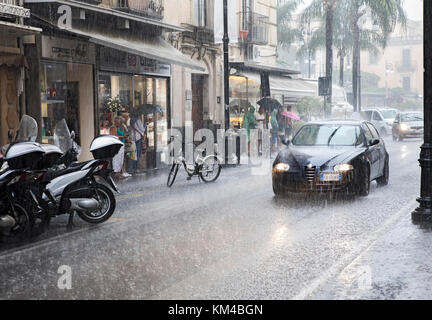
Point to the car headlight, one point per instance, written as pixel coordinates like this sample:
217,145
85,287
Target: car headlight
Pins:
281,167
404,127
343,167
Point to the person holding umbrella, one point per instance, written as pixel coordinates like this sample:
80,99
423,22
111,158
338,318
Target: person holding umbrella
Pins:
274,129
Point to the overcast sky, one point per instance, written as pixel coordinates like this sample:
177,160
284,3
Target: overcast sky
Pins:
413,8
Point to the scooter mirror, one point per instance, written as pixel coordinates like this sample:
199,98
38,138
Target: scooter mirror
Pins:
73,135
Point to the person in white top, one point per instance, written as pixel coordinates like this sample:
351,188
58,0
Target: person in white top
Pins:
260,118
138,135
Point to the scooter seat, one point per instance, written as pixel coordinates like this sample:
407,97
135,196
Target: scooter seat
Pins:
74,167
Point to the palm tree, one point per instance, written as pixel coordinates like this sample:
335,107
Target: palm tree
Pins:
316,9
370,40
385,14
286,33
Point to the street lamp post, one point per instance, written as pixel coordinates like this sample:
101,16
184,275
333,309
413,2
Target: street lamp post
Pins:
226,75
424,212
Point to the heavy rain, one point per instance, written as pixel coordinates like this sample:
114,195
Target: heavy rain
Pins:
214,150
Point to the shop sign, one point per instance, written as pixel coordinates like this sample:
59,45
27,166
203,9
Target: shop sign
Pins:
11,7
115,60
68,50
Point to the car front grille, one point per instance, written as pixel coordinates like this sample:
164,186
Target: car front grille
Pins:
310,174
417,128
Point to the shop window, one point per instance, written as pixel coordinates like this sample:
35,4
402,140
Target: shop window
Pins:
60,99
200,13
117,89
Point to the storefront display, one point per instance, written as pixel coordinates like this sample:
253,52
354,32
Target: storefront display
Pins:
150,102
243,92
59,99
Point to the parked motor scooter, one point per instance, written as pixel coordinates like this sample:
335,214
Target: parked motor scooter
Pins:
85,188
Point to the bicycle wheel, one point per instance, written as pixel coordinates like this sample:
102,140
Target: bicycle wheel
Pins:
172,175
210,169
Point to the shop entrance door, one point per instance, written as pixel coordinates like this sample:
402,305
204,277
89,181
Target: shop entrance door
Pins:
197,102
9,114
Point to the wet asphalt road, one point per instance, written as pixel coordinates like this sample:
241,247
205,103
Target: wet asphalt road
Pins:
227,240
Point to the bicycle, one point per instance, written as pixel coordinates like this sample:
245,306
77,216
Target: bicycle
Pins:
208,168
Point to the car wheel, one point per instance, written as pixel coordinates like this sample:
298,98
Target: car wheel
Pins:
384,179
364,182
277,191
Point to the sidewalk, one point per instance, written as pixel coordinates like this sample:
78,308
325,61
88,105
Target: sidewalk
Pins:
396,266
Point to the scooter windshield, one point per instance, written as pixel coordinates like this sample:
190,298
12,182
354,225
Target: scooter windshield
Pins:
62,136
27,130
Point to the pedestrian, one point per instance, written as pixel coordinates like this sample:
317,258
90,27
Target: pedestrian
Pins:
289,124
260,119
282,125
139,137
274,129
105,126
249,123
118,129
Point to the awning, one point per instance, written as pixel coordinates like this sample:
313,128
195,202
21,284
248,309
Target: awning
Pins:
295,88
155,48
18,30
13,60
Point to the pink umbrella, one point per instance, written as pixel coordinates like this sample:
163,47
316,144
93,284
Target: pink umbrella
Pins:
291,115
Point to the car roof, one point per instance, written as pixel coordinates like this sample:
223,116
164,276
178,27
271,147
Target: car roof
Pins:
410,112
339,121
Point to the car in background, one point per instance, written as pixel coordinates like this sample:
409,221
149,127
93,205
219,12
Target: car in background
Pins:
332,156
381,118
408,125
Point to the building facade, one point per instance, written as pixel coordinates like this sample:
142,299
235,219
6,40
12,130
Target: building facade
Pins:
94,52
400,65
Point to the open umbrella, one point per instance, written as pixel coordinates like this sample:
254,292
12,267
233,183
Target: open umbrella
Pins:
269,104
290,115
147,109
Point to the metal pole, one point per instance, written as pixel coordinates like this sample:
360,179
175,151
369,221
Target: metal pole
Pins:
424,212
226,74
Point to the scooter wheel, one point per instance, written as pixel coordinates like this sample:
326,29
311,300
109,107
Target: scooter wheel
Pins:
106,207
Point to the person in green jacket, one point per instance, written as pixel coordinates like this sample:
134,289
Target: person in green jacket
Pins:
249,122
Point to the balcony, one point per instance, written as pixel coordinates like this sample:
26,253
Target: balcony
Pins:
147,8
256,26
406,66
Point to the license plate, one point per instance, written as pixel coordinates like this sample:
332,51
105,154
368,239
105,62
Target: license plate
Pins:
331,177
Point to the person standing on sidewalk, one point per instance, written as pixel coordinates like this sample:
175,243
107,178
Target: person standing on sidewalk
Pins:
249,123
119,130
260,119
274,129
138,135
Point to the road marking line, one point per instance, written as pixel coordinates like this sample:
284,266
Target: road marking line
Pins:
348,259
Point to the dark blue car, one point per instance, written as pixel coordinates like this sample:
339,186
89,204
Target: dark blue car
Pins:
332,156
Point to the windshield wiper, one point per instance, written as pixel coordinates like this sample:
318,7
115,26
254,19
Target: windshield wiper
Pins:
332,135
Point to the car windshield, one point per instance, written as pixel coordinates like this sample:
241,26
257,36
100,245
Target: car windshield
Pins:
328,135
388,114
412,117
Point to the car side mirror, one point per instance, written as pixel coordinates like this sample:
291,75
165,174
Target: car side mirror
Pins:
286,141
373,142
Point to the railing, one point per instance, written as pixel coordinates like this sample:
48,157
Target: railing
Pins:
148,8
11,2
407,66
256,26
